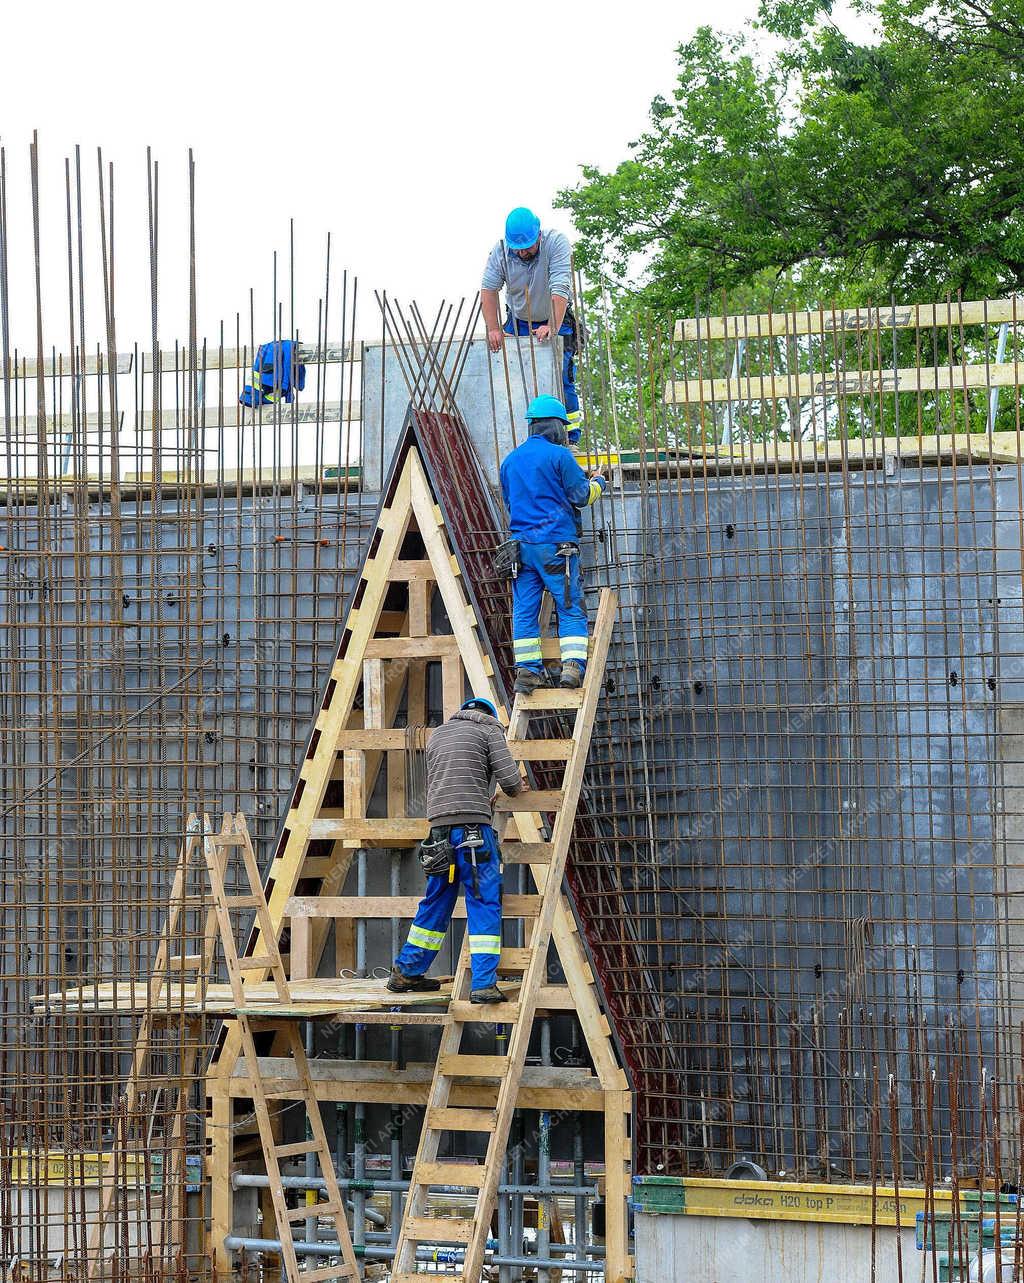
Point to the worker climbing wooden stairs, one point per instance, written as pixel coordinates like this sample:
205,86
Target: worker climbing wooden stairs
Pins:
454,1065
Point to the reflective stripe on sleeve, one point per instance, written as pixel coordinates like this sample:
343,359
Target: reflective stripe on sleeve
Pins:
596,491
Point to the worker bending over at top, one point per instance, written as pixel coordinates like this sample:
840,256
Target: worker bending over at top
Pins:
543,486
535,268
463,757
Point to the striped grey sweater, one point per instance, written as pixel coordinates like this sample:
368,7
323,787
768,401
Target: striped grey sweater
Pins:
463,756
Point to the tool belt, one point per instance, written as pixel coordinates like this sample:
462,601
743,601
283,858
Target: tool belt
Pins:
436,853
507,559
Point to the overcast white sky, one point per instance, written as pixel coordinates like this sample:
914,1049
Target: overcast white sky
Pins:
406,129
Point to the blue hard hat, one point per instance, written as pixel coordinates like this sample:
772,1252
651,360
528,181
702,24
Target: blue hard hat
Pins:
481,705
522,227
546,407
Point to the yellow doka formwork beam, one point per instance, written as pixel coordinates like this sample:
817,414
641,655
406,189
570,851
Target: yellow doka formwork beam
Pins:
791,1201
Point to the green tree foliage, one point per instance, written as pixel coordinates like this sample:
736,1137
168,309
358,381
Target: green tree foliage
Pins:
842,171
795,167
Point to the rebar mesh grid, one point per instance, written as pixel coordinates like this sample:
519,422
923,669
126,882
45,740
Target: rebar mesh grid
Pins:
798,875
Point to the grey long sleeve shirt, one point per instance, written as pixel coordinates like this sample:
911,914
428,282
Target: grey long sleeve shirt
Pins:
463,756
549,273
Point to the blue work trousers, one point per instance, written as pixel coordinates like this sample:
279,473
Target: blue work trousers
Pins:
540,568
483,909
570,396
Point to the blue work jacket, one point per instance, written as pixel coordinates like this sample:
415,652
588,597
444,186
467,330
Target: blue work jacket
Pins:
542,485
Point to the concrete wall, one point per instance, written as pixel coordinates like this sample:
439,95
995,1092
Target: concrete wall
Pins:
719,1249
495,424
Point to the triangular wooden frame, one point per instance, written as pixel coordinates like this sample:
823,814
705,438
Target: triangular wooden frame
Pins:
407,502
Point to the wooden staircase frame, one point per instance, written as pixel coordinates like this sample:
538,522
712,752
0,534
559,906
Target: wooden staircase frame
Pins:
135,1108
235,836
351,744
547,863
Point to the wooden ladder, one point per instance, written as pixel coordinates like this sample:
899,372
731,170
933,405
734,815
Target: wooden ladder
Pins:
218,850
454,1066
138,1103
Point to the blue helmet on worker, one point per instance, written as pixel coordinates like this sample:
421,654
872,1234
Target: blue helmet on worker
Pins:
546,407
481,705
522,227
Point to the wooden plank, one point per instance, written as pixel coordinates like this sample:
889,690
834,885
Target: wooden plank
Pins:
420,592
842,383
551,697
512,960
531,800
340,1072
421,571
540,750
851,320
498,1013
526,852
233,358
380,832
440,1229
300,961
373,691
865,450
397,806
617,1166
27,367
445,1118
415,1277
466,1175
230,415
555,998
355,784
392,906
396,1090
461,1065
436,646
393,739
219,1166
453,683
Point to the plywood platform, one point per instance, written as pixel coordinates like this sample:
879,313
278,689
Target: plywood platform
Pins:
350,1001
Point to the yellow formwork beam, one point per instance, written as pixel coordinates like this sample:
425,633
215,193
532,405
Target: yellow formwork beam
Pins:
793,1201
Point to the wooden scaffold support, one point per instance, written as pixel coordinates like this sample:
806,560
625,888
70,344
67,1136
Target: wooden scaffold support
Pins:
412,629
372,715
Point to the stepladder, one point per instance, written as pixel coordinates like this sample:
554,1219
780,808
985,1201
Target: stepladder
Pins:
280,1028
446,1125
152,1103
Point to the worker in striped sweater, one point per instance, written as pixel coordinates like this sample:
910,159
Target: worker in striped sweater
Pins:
466,757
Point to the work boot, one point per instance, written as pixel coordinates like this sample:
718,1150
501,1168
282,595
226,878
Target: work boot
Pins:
399,982
491,994
572,676
528,680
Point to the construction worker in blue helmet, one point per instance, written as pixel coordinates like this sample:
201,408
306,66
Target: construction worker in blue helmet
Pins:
464,756
535,268
543,487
